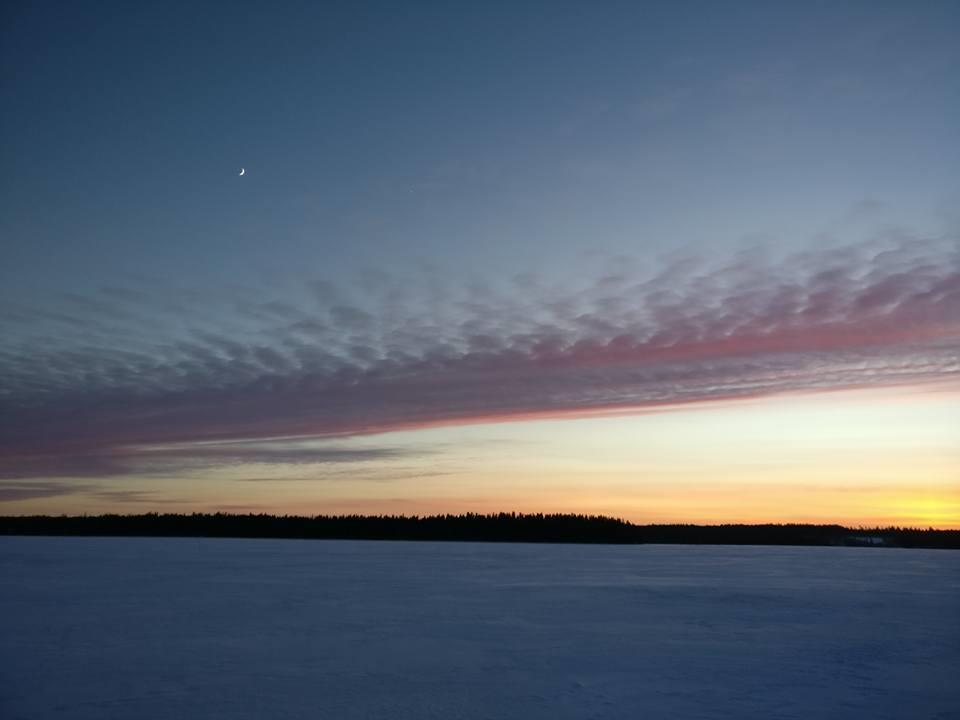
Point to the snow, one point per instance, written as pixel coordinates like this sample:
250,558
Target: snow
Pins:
202,628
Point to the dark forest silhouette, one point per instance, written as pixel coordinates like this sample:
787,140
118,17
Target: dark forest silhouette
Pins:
499,527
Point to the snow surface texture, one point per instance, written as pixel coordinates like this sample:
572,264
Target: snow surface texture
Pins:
186,628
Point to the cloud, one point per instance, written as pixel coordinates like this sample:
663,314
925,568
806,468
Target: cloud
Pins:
146,384
12,492
30,490
163,460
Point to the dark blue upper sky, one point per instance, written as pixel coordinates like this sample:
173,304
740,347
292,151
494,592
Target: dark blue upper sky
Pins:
486,134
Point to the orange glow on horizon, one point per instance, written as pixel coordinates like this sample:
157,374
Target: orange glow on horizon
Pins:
898,507
873,457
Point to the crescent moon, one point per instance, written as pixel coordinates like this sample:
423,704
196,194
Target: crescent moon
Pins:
242,171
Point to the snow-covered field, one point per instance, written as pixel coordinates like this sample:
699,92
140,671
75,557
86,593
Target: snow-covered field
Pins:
186,628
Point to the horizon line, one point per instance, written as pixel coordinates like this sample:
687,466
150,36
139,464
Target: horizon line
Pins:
512,515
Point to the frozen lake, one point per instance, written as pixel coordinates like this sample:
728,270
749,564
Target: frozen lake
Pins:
186,628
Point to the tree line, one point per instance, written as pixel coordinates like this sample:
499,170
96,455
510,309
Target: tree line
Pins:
494,527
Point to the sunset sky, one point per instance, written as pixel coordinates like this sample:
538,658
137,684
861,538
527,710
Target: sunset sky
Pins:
673,261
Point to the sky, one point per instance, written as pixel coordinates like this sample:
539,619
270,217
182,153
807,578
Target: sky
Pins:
672,262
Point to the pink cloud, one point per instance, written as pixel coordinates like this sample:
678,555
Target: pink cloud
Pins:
689,333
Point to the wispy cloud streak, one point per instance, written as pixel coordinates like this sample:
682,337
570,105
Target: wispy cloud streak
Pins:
86,383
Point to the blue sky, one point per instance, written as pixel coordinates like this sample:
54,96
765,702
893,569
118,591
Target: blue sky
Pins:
455,214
